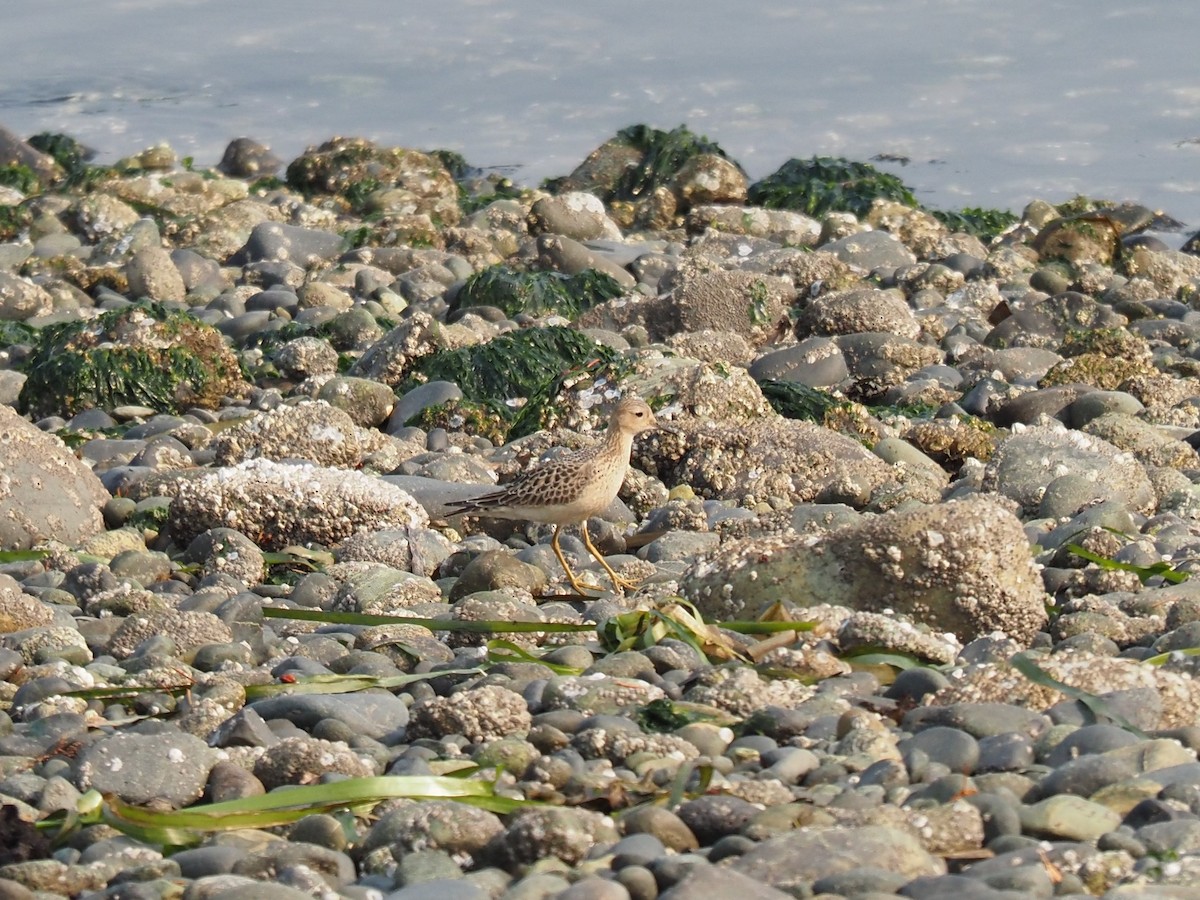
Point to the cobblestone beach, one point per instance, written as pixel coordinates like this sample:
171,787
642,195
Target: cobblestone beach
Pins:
914,616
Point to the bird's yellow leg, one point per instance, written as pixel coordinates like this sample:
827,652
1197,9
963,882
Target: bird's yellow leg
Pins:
574,582
618,582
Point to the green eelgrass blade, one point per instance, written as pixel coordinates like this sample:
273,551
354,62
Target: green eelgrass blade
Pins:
12,556
1144,573
1097,705
281,807
1163,658
502,651
456,625
346,684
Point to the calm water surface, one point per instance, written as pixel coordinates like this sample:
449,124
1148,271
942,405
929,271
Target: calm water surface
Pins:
994,103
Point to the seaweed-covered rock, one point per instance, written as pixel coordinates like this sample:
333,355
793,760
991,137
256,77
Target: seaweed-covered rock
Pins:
45,492
639,160
537,293
828,184
278,504
363,174
961,567
518,383
142,355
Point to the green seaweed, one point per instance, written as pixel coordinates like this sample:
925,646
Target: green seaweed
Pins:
539,292
982,223
65,150
13,220
76,365
19,177
534,365
663,155
797,401
828,184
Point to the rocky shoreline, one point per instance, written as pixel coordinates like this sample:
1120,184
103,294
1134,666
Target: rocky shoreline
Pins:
914,556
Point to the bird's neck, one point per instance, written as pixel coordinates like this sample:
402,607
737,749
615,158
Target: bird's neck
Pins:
617,442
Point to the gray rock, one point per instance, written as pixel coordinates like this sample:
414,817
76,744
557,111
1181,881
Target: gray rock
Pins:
152,273
1025,463
814,362
20,299
869,250
794,861
45,492
372,714
959,567
169,767
564,254
247,158
304,246
367,402
574,214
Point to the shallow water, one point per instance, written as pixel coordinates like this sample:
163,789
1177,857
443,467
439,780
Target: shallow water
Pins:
994,103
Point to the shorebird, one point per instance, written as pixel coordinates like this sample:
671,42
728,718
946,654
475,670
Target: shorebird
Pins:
571,488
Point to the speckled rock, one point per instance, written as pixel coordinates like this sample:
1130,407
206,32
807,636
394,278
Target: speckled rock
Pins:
565,833
152,274
279,504
793,861
302,760
853,311
19,610
188,629
223,551
961,567
991,682
315,432
45,492
772,457
480,714
143,768
20,298
745,303
457,828
1027,461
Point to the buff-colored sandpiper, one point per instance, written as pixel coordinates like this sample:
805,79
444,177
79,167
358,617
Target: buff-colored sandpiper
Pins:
570,489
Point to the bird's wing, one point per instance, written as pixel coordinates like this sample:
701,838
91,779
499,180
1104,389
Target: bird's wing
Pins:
557,481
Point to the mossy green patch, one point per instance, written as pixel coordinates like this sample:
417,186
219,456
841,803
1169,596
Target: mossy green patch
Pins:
984,224
534,365
537,293
16,332
826,184
797,401
13,220
142,355
663,155
20,178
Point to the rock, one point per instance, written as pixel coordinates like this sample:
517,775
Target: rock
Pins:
20,299
45,492
152,274
791,862
960,567
281,504
167,767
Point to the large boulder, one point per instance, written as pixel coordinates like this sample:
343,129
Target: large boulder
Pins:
45,492
962,567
